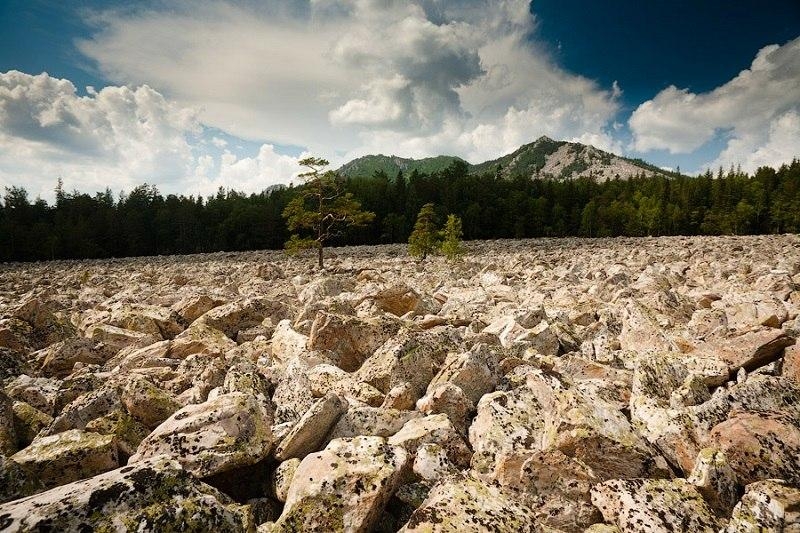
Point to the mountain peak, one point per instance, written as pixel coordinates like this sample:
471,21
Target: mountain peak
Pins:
543,158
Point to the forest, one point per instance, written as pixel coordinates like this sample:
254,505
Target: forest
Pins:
146,222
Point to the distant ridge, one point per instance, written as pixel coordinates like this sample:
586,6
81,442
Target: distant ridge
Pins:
543,158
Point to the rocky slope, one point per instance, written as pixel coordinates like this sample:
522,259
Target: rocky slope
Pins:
543,158
548,385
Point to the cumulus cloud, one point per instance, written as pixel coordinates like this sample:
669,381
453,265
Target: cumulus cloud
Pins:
256,173
356,76
117,137
757,112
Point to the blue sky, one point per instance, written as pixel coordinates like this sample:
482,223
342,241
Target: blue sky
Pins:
196,95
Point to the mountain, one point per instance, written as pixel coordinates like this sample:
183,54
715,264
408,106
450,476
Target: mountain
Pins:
543,158
369,164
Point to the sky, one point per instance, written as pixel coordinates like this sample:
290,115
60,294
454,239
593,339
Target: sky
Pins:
197,95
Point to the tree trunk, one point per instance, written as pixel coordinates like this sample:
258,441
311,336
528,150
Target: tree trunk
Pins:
319,256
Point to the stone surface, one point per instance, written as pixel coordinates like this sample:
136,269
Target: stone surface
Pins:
230,431
771,505
468,505
533,376
68,456
651,505
153,495
312,428
344,487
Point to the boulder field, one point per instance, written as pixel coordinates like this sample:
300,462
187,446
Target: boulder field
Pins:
552,385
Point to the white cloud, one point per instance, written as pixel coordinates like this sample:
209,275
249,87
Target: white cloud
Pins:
357,76
114,137
246,174
117,137
757,111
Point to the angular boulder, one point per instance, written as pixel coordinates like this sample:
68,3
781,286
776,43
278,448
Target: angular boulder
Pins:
230,431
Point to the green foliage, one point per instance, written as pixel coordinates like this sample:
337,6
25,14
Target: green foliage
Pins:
424,239
322,208
146,222
296,244
369,165
451,246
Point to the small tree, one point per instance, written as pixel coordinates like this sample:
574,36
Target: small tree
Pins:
423,240
451,238
323,208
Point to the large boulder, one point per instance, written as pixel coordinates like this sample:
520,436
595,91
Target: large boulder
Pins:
760,445
146,402
351,339
310,431
58,360
771,505
654,506
230,431
68,456
153,495
468,505
345,487
15,482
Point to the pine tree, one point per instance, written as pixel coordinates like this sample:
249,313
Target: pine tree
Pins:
451,238
323,208
423,240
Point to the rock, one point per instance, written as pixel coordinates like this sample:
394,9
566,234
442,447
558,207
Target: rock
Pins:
507,422
287,343
654,505
759,446
41,393
191,308
126,430
450,400
86,408
115,338
469,505
60,358
8,434
715,480
68,456
282,477
311,429
771,505
408,357
153,495
375,421
433,429
344,487
146,402
474,372
750,350
28,423
227,432
351,339
791,363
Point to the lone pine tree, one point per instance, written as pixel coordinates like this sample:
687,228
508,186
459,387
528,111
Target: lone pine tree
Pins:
321,209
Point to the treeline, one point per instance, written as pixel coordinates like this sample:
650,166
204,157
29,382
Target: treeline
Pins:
145,222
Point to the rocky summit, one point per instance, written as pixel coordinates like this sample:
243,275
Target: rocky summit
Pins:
557,385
